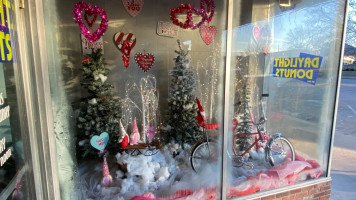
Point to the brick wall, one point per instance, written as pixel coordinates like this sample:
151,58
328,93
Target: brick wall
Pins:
320,191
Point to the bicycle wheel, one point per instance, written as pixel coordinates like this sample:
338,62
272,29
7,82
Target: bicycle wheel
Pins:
279,149
204,154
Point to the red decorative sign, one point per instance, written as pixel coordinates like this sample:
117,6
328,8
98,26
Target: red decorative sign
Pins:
133,7
144,61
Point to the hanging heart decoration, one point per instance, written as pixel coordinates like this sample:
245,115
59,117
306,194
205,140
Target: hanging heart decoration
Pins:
91,11
133,7
144,61
208,33
125,43
180,10
210,8
100,142
198,12
256,33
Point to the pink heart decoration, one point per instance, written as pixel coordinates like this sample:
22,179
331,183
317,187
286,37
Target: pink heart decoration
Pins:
133,7
208,33
144,61
256,33
83,7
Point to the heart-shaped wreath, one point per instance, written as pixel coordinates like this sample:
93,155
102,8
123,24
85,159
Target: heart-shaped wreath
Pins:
180,10
91,11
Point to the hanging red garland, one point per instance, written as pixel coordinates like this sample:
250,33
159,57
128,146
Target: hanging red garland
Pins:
180,10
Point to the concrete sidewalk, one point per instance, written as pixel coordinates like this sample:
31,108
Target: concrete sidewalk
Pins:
343,168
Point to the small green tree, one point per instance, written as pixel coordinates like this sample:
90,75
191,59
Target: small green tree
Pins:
99,111
182,106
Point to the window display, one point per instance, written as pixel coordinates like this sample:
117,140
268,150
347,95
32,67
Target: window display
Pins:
138,91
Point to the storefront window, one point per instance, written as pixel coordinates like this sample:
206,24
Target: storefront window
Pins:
138,94
132,125
284,70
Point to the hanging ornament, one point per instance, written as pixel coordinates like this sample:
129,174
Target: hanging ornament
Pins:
180,10
92,101
150,132
100,142
107,179
144,61
91,11
135,135
125,43
208,33
209,11
124,140
256,33
133,7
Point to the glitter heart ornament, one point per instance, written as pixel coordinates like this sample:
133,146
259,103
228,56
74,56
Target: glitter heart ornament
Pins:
180,10
81,7
208,33
133,7
144,61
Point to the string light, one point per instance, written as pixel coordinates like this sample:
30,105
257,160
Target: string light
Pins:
209,81
141,100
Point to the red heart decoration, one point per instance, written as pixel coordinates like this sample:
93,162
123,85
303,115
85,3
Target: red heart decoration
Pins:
90,13
144,61
125,43
133,7
208,33
180,10
120,37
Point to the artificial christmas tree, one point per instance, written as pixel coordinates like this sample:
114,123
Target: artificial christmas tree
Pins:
242,110
182,106
99,111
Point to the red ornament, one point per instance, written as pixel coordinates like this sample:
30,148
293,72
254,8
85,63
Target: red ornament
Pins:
180,10
144,61
208,33
133,7
90,13
125,43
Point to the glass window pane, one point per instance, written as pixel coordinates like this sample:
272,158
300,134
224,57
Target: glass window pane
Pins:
156,101
284,73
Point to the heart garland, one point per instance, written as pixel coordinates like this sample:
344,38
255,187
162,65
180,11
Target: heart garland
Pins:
125,43
208,33
133,7
180,10
210,8
95,10
144,61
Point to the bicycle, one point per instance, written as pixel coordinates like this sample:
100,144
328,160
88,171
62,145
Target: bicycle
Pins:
277,148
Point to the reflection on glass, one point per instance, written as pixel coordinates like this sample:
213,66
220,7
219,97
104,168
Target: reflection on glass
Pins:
284,79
